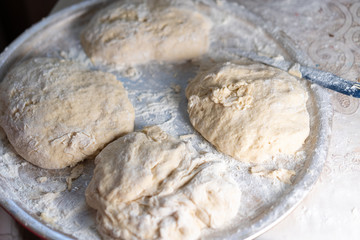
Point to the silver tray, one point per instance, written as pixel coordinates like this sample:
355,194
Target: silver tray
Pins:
39,198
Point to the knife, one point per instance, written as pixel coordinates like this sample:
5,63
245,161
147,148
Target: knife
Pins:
322,78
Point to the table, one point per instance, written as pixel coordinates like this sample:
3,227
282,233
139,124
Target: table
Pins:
328,33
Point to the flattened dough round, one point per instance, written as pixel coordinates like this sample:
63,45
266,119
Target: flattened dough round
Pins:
56,113
135,33
249,111
149,185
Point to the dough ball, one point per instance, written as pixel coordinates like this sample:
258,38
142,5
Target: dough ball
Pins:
249,111
56,113
135,33
149,185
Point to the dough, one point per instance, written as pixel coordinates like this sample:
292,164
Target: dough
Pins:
56,113
135,33
149,185
249,111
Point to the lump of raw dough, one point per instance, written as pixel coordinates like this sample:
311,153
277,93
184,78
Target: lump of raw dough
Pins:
135,33
56,113
249,111
149,185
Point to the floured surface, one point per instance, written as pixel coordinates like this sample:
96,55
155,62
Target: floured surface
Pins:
157,101
57,113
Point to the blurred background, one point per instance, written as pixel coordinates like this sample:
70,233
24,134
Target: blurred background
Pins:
16,16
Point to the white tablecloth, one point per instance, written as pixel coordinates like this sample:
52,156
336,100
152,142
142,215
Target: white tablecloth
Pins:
328,32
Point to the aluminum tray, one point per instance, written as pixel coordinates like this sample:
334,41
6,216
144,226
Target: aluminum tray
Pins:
39,198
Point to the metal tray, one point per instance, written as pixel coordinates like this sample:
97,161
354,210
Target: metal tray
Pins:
40,198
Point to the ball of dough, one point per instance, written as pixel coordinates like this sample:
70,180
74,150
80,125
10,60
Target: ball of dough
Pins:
135,33
249,111
149,185
56,113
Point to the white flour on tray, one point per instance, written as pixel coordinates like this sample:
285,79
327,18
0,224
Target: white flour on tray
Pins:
157,94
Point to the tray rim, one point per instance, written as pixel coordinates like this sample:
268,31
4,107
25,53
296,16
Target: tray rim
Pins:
291,199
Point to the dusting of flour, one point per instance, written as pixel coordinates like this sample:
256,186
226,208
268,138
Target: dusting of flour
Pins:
156,91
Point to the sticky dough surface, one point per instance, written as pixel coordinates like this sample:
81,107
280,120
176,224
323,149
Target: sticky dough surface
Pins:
149,185
249,111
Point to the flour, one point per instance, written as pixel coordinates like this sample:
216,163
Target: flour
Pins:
156,103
